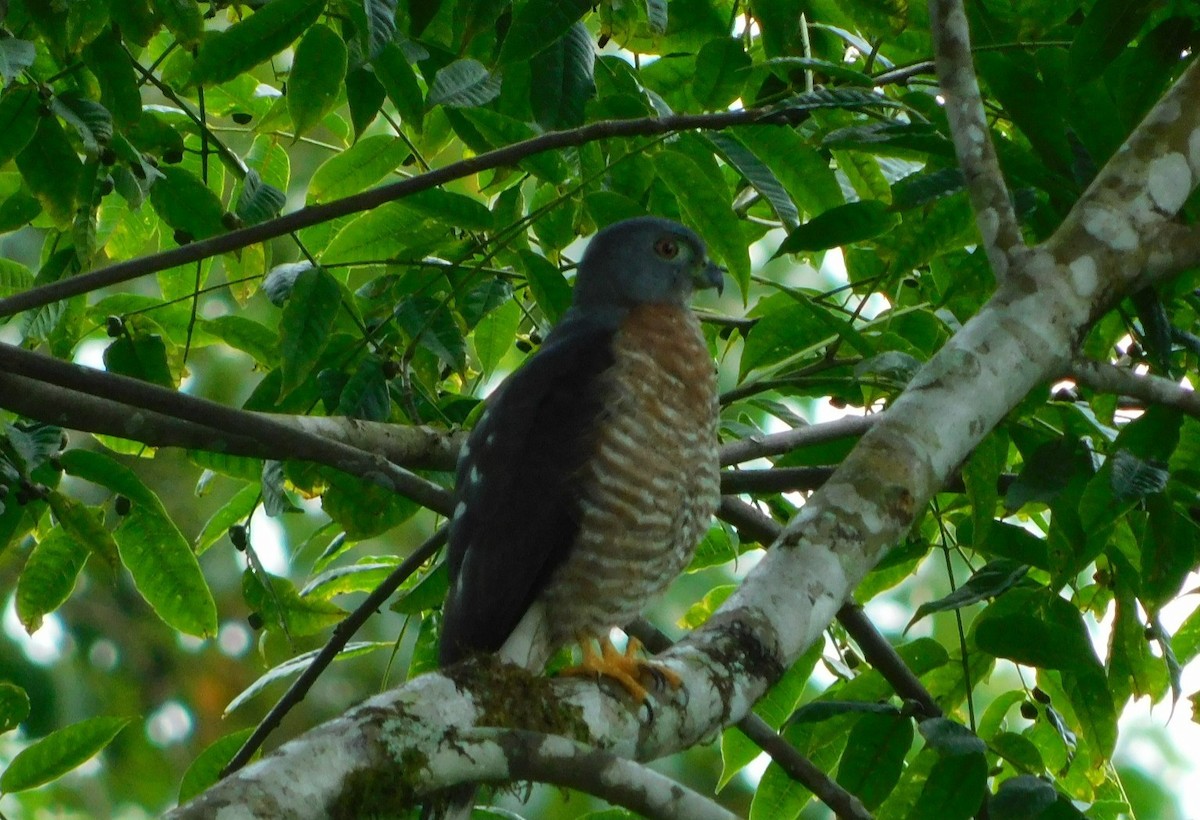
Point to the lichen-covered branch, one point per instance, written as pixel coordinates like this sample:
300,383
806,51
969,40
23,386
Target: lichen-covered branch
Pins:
752,447
972,140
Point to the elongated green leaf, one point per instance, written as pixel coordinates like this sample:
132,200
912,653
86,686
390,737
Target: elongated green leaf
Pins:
182,18
51,170
246,335
464,83
113,68
298,664
59,752
992,580
318,70
14,706
304,328
365,96
705,205
1107,29
722,67
85,525
48,577
563,80
804,173
365,395
362,576
449,208
498,130
18,120
760,176
357,168
269,30
15,56
547,284
283,605
397,77
1022,797
233,511
162,564
494,335
186,204
206,769
957,782
844,225
141,357
874,756
537,24
376,236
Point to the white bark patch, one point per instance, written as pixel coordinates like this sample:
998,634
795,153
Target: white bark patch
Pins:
989,226
1083,276
1110,227
1194,151
1169,180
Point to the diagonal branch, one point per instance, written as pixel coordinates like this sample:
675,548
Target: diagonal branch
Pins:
1109,378
325,212
972,138
368,465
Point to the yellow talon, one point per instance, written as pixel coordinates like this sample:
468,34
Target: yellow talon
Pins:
623,667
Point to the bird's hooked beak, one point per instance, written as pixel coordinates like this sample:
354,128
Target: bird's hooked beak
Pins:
709,275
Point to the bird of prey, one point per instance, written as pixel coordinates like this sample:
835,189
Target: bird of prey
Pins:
592,472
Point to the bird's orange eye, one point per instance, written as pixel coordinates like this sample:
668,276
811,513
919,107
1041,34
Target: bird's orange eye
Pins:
666,248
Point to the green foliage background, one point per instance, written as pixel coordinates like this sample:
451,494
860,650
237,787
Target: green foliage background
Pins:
131,127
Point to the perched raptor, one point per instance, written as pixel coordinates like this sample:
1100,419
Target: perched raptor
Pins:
592,473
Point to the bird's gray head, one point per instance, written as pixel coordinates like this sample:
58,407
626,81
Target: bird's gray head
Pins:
647,260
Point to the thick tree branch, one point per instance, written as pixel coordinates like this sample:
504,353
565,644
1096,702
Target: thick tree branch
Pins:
1175,248
752,447
1148,388
368,465
416,447
972,138
317,214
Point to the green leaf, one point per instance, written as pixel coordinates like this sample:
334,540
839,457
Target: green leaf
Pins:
464,83
15,56
398,79
1024,797
759,176
48,577
789,326
246,335
537,24
357,168
494,335
206,769
379,235
363,509
14,706
305,325
186,204
164,569
19,118
364,96
1035,628
957,782
838,227
1107,29
563,80
283,606
706,205
804,173
874,756
113,68
235,510
51,170
298,664
269,30
423,593
86,525
140,357
497,130
365,395
59,752
722,67
182,18
920,189
992,580
258,200
318,70
1135,478
547,284
700,611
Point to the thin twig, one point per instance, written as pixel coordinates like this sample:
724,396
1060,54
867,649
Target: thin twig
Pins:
1109,378
342,634
972,138
325,212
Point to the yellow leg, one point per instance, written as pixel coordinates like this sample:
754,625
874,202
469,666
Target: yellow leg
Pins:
623,667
